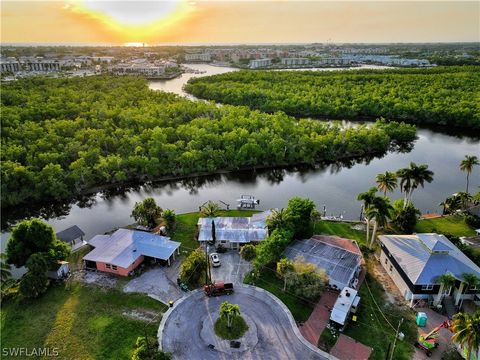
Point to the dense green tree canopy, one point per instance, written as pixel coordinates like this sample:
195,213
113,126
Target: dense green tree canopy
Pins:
31,237
63,137
193,267
147,212
436,96
299,211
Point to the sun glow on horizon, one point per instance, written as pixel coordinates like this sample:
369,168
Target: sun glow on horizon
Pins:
132,22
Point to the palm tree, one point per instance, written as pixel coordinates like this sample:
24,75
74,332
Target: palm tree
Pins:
380,211
210,209
469,280
229,311
450,204
406,183
464,198
466,332
278,219
411,178
386,182
467,165
446,281
367,198
421,174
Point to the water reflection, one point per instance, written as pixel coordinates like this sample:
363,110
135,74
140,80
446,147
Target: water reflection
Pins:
334,185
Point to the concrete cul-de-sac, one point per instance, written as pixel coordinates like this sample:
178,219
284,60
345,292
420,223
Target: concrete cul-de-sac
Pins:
180,331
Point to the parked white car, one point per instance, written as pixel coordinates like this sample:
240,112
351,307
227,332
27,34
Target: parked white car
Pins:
215,259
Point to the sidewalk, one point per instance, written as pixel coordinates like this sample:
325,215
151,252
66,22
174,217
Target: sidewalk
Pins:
318,320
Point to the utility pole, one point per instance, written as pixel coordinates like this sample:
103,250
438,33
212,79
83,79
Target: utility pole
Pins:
395,340
208,263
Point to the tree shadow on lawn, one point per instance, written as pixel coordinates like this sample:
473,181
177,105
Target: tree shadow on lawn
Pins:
26,323
105,330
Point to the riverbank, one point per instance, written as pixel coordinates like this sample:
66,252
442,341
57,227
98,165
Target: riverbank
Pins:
434,96
85,196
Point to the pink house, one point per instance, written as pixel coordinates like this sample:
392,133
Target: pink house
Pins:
121,252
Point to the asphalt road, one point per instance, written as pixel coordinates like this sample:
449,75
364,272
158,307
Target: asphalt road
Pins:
179,331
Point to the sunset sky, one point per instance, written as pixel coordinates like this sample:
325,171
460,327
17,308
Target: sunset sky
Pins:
208,22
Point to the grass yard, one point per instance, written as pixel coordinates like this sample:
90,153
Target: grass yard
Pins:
269,281
371,327
340,229
186,231
236,331
452,225
82,322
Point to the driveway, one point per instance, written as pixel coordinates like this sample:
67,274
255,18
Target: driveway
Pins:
278,337
444,339
232,269
159,283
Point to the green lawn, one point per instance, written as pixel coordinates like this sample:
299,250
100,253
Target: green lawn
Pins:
82,322
269,281
340,229
371,327
186,231
452,225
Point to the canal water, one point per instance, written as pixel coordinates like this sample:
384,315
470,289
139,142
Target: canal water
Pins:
334,186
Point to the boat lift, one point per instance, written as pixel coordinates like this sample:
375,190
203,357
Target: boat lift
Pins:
247,202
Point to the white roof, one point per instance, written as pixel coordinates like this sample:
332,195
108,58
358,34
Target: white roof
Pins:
339,316
343,304
125,246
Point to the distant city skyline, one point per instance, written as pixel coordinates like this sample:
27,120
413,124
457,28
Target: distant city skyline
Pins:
180,22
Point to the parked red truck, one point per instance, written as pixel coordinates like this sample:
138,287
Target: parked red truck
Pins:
218,288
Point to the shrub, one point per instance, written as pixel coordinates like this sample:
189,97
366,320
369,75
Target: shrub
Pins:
170,219
271,249
145,351
32,285
248,252
404,219
193,267
472,220
306,280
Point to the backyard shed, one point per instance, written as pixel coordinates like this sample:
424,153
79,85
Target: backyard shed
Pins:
73,236
60,272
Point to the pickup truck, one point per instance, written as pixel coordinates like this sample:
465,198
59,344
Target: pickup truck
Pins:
218,288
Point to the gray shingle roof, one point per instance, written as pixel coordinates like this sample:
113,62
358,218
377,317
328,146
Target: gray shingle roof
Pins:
70,234
424,257
125,246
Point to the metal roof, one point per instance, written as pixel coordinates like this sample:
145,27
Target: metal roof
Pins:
339,264
424,257
125,246
70,234
235,229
